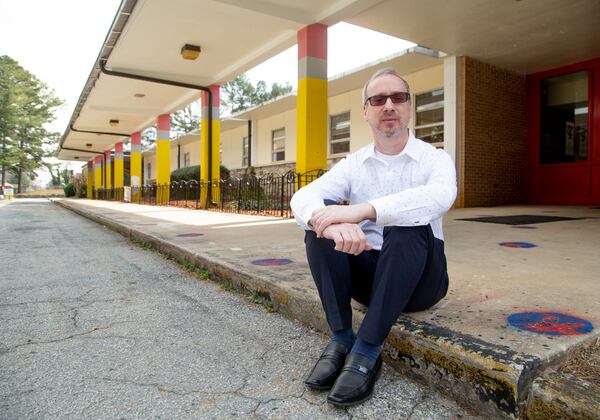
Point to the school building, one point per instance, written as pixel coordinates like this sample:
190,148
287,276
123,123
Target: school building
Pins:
509,89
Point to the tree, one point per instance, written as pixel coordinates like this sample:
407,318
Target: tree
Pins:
60,174
26,104
185,121
149,137
240,94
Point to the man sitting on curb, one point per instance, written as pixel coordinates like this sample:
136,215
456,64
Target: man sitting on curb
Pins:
386,248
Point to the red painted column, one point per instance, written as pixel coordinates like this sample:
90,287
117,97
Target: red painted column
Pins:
135,166
163,157
311,111
89,192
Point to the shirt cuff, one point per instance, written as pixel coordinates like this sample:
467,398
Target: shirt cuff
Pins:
304,218
380,215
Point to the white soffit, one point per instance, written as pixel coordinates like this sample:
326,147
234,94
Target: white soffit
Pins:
524,36
234,36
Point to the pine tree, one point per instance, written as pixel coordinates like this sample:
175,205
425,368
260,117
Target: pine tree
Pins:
26,104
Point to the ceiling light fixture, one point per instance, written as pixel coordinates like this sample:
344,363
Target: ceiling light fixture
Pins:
190,52
139,95
88,145
114,123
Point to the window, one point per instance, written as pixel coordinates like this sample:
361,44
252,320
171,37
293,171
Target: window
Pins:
149,171
564,118
339,133
245,149
429,112
186,159
278,145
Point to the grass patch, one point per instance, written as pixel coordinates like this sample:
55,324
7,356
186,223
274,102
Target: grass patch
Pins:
198,272
254,297
228,286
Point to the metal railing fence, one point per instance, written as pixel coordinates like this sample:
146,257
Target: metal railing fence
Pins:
267,195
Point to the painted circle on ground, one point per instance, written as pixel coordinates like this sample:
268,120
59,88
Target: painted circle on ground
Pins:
518,244
550,323
523,227
189,235
270,262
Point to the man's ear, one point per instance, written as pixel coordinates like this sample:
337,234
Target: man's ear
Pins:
365,113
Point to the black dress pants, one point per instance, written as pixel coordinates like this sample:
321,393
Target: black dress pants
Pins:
408,274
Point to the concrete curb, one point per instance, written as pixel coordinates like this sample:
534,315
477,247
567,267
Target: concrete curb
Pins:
562,396
490,378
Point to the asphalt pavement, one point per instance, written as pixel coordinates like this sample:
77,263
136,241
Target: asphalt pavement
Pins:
93,326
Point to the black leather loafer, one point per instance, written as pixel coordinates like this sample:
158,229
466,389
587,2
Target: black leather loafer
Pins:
328,367
356,382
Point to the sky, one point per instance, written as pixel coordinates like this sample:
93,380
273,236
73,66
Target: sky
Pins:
59,40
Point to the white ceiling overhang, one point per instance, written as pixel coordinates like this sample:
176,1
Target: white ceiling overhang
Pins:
523,36
146,38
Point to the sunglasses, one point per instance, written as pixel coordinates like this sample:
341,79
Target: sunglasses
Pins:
397,98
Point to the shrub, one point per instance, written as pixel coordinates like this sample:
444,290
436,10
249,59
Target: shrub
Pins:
69,190
193,172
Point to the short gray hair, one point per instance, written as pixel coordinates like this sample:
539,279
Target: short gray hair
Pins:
378,73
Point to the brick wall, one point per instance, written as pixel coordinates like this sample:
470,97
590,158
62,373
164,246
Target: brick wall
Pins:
493,136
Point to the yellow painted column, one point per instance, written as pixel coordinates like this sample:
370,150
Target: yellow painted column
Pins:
312,114
215,176
119,173
135,166
163,158
97,175
89,193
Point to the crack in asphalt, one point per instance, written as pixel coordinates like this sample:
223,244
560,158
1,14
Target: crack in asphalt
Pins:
421,399
74,317
57,340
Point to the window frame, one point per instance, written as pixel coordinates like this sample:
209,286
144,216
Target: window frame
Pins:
245,152
274,139
429,107
342,140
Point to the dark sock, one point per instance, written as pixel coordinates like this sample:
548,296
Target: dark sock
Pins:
366,349
345,337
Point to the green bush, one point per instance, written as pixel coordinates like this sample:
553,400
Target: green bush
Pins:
83,192
69,190
193,173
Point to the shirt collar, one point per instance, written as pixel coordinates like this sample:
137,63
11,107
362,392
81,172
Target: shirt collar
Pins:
413,149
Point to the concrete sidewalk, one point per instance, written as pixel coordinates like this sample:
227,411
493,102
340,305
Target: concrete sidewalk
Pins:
476,345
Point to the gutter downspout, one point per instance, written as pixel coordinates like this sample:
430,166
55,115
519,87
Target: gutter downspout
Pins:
97,132
83,151
249,142
104,70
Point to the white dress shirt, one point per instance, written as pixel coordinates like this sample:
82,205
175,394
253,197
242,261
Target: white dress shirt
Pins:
416,187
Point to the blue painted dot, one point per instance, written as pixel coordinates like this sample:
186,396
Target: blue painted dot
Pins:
550,323
270,262
518,244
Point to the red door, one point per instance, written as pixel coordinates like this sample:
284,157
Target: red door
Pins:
563,115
